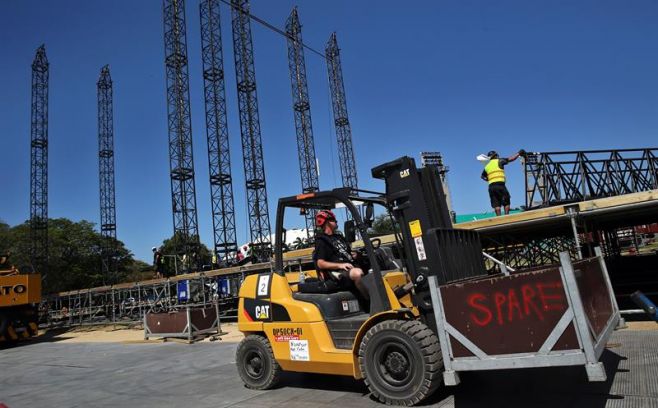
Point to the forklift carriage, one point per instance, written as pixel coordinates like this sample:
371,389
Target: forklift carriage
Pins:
559,315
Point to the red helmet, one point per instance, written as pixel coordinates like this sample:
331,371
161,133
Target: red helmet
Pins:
322,216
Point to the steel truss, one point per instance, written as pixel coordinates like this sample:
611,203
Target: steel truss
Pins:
562,177
219,156
341,120
519,252
39,163
181,162
128,303
108,224
252,148
302,110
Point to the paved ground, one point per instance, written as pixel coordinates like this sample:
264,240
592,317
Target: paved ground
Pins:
56,374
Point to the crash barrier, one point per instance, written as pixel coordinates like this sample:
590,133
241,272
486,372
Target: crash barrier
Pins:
554,316
193,322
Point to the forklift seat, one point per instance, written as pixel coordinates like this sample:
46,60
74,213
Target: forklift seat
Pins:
315,285
332,305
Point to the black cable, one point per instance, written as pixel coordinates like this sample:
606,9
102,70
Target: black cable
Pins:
270,26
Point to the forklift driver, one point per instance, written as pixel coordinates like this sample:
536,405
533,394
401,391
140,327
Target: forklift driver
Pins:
333,256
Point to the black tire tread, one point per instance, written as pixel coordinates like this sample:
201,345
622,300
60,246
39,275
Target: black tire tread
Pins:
430,348
275,374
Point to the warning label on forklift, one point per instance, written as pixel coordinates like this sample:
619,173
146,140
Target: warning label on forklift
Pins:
286,333
420,248
299,350
415,229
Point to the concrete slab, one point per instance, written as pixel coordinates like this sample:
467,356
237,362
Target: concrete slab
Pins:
203,375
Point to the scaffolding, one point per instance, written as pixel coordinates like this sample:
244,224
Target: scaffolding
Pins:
252,148
219,155
39,164
130,302
108,224
341,120
554,178
181,162
302,111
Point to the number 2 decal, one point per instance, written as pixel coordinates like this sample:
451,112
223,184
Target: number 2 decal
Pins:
263,283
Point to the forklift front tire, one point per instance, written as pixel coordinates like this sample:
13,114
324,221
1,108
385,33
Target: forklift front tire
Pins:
257,366
401,361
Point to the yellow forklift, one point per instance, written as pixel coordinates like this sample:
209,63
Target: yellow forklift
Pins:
433,309
20,295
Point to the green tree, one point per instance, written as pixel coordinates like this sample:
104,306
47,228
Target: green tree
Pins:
74,254
173,247
301,243
383,225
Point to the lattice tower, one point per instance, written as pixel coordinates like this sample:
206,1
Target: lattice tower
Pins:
181,162
39,164
302,111
219,156
252,149
108,224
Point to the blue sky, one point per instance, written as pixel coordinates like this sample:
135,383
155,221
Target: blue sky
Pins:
460,77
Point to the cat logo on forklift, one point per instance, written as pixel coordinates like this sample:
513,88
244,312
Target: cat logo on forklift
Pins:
404,173
262,312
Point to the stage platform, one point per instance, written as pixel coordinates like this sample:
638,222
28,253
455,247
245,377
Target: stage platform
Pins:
600,214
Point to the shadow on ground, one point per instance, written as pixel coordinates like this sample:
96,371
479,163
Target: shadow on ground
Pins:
541,387
50,336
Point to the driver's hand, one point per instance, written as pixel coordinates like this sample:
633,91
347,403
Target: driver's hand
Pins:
346,266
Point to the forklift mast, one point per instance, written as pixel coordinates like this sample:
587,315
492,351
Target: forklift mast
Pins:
431,246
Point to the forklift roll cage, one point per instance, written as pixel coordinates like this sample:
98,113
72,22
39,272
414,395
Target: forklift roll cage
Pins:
328,200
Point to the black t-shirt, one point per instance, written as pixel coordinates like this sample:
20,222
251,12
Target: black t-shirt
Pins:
331,248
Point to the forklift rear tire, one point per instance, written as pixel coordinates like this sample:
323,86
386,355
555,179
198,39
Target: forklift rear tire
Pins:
401,361
257,366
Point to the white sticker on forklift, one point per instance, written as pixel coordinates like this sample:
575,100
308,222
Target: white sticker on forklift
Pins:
263,281
420,249
299,350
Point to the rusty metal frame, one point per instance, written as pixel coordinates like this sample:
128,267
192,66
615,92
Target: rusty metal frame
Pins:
591,346
190,332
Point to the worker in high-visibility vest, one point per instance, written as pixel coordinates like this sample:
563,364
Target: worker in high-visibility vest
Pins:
494,174
214,260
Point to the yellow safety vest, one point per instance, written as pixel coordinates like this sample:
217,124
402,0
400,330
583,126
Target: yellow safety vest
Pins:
494,173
